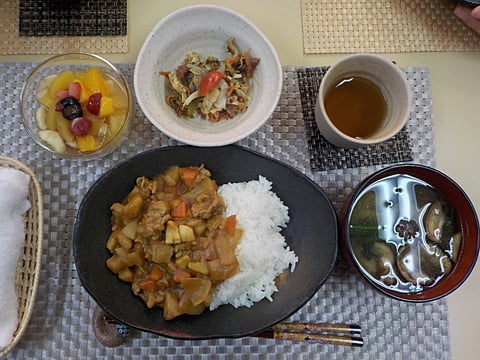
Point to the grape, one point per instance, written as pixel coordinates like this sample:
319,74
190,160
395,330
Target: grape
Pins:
80,126
70,108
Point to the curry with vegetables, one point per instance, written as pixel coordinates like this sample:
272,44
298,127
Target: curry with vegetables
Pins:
171,240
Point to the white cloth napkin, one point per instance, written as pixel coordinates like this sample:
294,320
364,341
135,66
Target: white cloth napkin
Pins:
13,204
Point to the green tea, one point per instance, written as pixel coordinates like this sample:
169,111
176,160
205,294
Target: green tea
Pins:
356,106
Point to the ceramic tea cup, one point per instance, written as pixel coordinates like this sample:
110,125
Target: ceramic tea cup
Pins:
363,99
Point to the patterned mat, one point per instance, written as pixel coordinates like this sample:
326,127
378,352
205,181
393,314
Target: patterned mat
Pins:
73,18
55,26
325,156
61,324
383,26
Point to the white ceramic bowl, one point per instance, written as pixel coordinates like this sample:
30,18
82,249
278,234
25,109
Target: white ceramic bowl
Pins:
390,80
205,29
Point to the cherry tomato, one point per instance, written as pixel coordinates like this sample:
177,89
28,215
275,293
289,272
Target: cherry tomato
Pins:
93,103
209,81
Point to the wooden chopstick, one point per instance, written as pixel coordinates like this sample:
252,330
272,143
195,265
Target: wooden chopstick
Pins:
336,334
312,328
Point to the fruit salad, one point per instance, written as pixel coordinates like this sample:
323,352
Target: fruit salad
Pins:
80,111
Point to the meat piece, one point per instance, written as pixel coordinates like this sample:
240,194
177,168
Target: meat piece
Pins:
182,70
156,216
205,205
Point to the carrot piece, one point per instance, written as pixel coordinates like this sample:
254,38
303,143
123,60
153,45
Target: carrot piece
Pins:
188,175
179,275
232,60
147,285
164,73
230,224
155,273
180,211
230,90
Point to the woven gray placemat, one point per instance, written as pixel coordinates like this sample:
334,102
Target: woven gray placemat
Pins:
60,326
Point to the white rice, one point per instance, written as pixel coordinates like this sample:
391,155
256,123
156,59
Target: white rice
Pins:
262,251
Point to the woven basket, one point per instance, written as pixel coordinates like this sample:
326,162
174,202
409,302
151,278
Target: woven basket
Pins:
28,266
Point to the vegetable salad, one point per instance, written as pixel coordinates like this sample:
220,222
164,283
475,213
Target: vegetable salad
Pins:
212,88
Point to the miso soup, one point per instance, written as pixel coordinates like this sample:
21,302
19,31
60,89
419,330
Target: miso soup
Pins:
404,233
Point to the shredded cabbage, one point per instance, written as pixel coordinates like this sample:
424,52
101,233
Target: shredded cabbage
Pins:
227,98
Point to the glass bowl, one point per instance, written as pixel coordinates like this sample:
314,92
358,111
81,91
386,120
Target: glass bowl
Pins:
108,124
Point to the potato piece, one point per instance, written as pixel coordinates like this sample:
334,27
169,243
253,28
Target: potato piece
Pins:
116,264
112,241
124,241
126,275
171,176
134,258
120,251
195,310
199,267
172,234
182,262
224,251
170,306
186,233
199,229
196,290
133,206
235,239
217,271
130,229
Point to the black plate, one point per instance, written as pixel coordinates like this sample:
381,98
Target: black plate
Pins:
312,233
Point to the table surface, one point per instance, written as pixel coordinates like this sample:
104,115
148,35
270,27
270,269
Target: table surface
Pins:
454,87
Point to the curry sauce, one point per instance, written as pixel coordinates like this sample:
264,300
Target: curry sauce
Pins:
171,240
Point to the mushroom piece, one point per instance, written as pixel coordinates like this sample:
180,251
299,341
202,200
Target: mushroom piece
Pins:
380,260
455,242
422,264
434,221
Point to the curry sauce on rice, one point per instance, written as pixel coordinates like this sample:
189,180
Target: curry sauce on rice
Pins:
185,244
